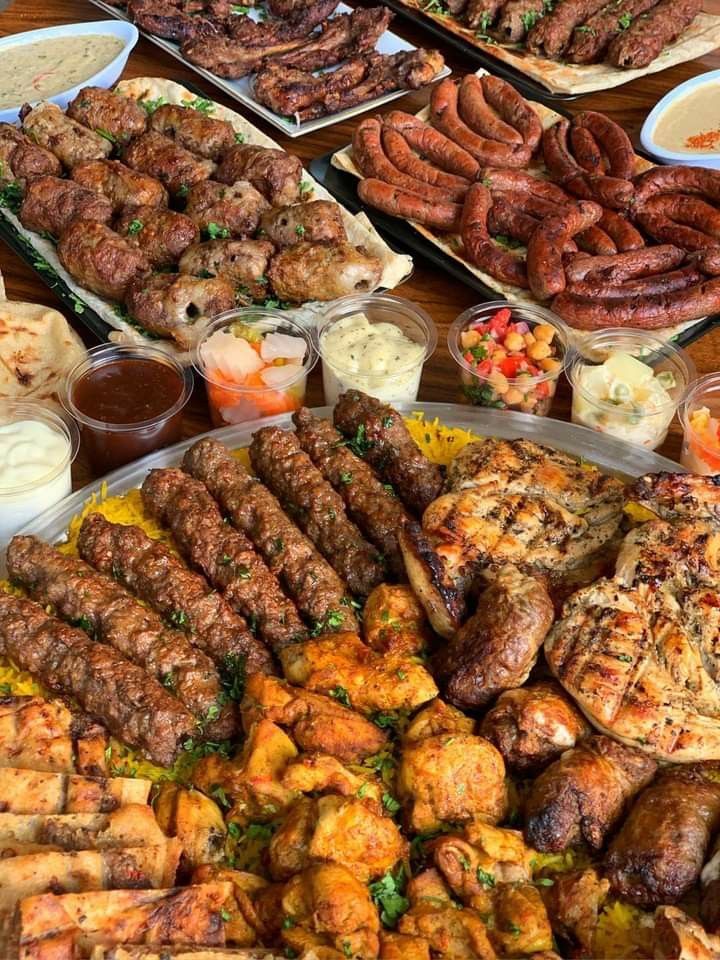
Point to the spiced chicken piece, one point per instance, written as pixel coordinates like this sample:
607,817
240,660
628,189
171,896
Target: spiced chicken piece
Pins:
193,130
533,725
50,205
319,221
273,172
99,259
167,19
70,141
173,165
437,718
315,271
243,262
172,305
21,159
676,936
574,902
124,188
583,794
161,235
222,211
319,773
394,621
107,112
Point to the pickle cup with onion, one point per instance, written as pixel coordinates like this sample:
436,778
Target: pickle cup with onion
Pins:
700,418
509,356
255,362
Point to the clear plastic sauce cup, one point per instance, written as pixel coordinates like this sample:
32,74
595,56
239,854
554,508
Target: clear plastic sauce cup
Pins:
700,418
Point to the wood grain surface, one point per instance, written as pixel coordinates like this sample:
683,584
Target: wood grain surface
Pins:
443,297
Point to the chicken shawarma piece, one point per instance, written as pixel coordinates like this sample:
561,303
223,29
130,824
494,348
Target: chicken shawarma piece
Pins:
71,142
222,211
319,773
675,495
173,165
317,221
51,205
318,724
243,262
124,188
272,172
498,646
316,271
161,235
583,794
100,260
107,112
574,901
21,159
193,130
371,682
533,725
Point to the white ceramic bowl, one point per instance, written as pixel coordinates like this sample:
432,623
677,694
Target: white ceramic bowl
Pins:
104,78
710,159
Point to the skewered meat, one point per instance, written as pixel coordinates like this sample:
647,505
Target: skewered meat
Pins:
376,511
243,262
316,271
21,159
78,593
107,112
274,173
124,188
225,211
498,646
389,448
552,33
193,130
319,511
318,221
591,39
480,14
51,205
659,851
532,726
312,583
582,796
133,706
160,235
172,165
222,553
99,259
516,18
167,19
70,141
171,304
156,576
645,38
345,35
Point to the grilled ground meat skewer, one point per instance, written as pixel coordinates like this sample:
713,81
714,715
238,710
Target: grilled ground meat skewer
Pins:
552,34
194,131
645,39
591,39
184,598
223,554
390,448
108,612
308,578
133,706
99,109
319,511
378,513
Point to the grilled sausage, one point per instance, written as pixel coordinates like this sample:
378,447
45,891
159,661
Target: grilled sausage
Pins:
399,153
613,192
613,140
680,279
586,149
685,221
514,109
546,274
496,179
709,261
124,188
193,130
594,240
171,164
479,115
507,217
409,206
273,172
645,39
621,231
71,142
658,854
316,221
433,145
677,179
552,33
480,248
160,235
625,266
516,18
21,159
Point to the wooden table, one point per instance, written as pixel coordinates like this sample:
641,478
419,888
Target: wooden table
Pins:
443,297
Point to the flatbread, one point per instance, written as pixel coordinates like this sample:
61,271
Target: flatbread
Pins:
700,38
451,244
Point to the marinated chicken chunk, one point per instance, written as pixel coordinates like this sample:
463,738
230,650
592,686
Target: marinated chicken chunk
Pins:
194,819
100,260
274,173
225,211
533,725
172,165
436,718
314,271
676,936
121,118
193,130
319,221
319,773
582,796
401,946
574,901
521,924
161,235
394,621
71,142
243,262
371,682
124,188
21,159
710,891
243,927
50,205
318,724
172,304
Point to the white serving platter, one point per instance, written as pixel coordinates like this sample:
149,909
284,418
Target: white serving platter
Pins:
242,91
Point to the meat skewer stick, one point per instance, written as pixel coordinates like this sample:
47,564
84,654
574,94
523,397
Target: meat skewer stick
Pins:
80,594
224,555
316,589
132,705
151,571
288,471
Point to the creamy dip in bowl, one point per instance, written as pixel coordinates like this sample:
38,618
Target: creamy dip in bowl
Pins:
684,127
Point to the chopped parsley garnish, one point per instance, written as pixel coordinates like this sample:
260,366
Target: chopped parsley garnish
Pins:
83,623
346,477
510,243
334,619
625,657
305,189
360,444
232,676
390,803
150,106
134,227
529,18
226,915
585,29
239,137
233,829
11,196
388,894
341,695
201,105
217,792
624,21
178,618
6,690
216,232
485,879
183,190
288,923
385,720
106,135
260,831
239,10
387,422
300,230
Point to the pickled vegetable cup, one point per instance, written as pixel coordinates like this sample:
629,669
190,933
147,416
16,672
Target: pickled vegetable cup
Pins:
376,343
255,363
700,418
510,356
628,383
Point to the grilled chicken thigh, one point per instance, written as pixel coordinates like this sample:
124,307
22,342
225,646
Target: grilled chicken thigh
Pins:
675,495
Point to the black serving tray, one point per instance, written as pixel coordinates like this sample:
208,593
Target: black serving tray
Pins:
343,186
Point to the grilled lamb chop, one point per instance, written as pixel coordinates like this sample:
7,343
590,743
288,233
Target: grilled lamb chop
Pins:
172,21
346,35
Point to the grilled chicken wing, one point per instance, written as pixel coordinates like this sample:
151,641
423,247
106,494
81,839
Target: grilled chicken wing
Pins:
21,159
106,112
160,235
51,205
172,304
274,173
316,271
582,796
71,142
100,260
173,165
225,211
193,130
243,262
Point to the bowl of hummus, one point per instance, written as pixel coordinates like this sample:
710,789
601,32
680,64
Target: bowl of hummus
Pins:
684,127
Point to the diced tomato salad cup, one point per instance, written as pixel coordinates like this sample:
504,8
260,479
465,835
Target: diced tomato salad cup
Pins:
701,437
510,356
